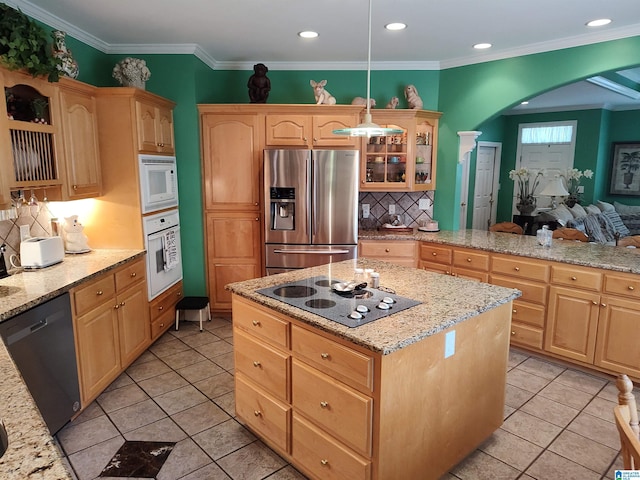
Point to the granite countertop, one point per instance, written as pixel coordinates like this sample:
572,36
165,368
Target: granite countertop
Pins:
32,452
446,300
608,257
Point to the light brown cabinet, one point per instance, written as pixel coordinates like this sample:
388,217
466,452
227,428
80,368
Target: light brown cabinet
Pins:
111,326
400,252
162,312
311,130
459,262
155,128
402,162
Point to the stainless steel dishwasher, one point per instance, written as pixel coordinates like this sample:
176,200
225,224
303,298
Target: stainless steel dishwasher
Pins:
41,344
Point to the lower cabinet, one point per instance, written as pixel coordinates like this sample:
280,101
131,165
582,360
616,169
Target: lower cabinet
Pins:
401,252
459,262
338,411
111,326
162,313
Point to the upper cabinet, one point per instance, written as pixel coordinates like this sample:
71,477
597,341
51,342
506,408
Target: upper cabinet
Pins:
402,162
80,133
155,128
311,126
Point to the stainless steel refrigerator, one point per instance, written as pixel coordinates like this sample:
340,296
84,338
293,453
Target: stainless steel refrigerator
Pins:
311,203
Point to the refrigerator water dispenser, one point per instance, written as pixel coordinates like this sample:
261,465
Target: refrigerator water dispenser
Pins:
283,208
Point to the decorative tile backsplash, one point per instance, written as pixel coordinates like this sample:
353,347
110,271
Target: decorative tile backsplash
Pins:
38,217
406,205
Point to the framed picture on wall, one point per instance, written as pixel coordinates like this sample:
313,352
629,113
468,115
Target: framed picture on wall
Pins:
625,169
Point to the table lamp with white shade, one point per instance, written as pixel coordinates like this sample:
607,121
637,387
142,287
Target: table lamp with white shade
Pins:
555,188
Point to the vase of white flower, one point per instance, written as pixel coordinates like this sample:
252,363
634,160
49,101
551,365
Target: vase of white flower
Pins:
527,182
572,179
132,72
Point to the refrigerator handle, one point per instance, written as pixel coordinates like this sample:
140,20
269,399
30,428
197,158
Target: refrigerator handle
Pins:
318,252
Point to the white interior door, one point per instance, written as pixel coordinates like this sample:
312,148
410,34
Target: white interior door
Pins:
486,184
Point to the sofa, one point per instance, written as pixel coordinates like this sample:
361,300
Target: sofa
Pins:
602,223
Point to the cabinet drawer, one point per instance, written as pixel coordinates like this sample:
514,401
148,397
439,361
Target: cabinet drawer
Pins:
471,259
526,336
434,267
476,275
528,313
165,302
431,253
531,291
348,365
93,294
343,412
382,249
264,414
130,274
162,323
572,276
520,267
622,284
259,322
323,456
263,364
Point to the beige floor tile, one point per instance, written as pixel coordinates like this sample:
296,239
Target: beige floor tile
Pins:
200,371
525,380
185,458
217,385
480,466
516,358
287,473
253,461
164,430
533,429
582,381
183,359
223,439
227,402
214,349
200,339
75,437
516,397
583,451
601,408
225,331
164,383
610,392
507,411
147,370
597,429
130,418
617,465
208,472
201,417
169,347
225,361
551,466
88,463
185,329
180,399
566,395
122,397
145,357
92,411
122,381
511,449
541,368
551,411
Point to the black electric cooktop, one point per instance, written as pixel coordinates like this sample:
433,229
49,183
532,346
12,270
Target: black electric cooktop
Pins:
362,306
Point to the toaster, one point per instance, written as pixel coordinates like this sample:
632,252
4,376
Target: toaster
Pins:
40,252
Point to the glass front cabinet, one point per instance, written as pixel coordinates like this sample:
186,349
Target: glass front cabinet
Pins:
405,161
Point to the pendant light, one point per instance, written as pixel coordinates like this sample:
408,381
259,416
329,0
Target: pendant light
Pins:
368,128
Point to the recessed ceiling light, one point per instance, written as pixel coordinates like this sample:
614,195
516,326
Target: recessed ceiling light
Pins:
526,102
395,26
599,23
482,46
308,34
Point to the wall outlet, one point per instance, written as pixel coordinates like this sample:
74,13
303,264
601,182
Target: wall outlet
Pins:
580,188
365,210
392,209
25,232
423,203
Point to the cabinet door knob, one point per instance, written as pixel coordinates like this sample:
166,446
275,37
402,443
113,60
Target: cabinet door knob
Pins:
160,308
257,219
469,260
116,306
594,302
515,311
573,278
257,413
630,287
256,204
387,250
133,274
75,187
99,292
434,254
122,304
256,323
256,364
324,462
603,304
304,139
162,324
179,294
513,333
517,269
324,356
324,404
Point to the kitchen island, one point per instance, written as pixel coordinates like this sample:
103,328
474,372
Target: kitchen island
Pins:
406,396
32,453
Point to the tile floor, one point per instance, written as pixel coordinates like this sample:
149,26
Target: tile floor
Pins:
558,421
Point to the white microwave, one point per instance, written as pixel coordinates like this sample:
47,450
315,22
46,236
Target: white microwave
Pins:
158,182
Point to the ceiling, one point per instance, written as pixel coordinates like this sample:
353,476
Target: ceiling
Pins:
235,34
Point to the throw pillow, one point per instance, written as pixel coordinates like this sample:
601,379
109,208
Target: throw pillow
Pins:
561,213
592,209
623,209
617,223
605,207
594,230
578,211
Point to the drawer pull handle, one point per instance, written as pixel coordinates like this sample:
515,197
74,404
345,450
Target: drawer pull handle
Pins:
99,292
324,356
513,333
160,308
630,287
517,269
324,404
515,311
257,413
573,278
179,294
133,274
469,260
162,324
256,364
434,254
324,462
256,323
387,250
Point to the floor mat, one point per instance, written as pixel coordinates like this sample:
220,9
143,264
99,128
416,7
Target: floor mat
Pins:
138,459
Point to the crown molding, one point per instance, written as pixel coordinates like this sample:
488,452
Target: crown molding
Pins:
325,66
